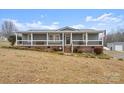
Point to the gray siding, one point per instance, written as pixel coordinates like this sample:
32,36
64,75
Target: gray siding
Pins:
93,36
26,37
77,37
39,37
56,34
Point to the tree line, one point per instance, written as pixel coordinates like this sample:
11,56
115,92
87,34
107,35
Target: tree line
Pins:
117,36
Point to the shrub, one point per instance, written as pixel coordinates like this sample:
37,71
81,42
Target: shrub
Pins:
120,59
98,50
60,53
12,39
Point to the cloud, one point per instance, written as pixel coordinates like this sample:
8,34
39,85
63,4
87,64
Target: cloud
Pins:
78,26
33,25
42,16
55,23
39,25
106,21
89,18
101,24
104,18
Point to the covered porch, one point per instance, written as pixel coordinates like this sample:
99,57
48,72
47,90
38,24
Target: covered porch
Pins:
60,39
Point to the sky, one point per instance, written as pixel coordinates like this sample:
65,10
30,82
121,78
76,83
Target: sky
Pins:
25,19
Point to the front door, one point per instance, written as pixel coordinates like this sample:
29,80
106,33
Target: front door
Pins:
67,39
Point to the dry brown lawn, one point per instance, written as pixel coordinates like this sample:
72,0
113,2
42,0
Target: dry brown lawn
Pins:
24,66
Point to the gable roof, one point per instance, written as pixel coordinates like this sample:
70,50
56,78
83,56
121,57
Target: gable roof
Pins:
60,29
67,28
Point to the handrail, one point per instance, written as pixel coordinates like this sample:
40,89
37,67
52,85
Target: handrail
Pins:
94,40
78,40
58,40
39,40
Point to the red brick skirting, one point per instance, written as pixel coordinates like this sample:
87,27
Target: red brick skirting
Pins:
67,49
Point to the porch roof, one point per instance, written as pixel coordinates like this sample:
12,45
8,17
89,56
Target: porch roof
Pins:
62,30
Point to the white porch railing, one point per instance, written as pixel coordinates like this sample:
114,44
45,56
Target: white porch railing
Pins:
24,42
79,42
58,42
94,42
87,43
39,42
55,42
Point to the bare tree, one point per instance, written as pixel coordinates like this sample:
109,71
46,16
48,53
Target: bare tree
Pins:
8,27
117,36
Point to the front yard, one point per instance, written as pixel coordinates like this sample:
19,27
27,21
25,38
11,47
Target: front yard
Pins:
25,66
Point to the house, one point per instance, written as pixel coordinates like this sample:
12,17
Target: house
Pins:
66,39
117,46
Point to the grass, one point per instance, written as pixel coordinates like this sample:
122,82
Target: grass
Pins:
22,66
104,56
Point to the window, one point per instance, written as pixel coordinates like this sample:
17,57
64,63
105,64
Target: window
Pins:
57,37
50,37
84,37
54,37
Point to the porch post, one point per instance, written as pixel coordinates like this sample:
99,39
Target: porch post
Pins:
86,38
71,43
103,38
47,39
16,39
31,39
63,42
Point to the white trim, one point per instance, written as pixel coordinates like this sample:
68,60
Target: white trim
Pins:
86,38
94,40
103,38
16,38
47,38
71,44
31,39
87,45
63,42
65,39
40,40
39,45
71,38
78,40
